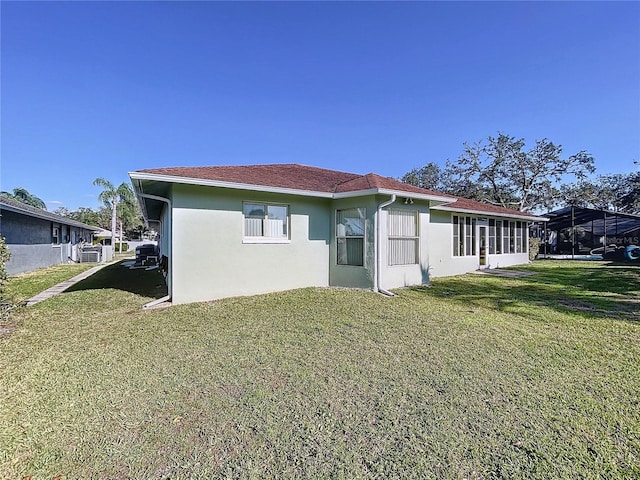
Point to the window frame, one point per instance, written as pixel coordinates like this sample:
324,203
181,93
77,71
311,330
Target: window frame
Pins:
525,236
346,237
499,239
500,236
415,238
505,237
491,244
518,236
55,234
512,236
455,222
467,235
286,238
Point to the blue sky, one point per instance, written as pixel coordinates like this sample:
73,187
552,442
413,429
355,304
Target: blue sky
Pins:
99,89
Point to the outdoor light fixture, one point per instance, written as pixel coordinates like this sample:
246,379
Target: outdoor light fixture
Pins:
408,201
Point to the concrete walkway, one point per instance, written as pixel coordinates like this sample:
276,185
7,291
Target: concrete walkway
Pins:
62,286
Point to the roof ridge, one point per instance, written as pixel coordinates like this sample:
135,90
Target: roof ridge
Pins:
368,177
356,177
251,165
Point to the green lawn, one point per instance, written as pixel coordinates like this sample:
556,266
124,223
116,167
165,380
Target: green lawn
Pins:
474,377
23,287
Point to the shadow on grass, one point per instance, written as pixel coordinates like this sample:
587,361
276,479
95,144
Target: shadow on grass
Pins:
603,290
146,283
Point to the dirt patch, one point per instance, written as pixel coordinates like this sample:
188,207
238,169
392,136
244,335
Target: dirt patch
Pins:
578,305
624,311
498,272
7,329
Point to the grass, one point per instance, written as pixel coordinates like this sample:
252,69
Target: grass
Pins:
22,287
474,377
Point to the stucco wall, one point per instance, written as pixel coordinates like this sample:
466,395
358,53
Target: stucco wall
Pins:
26,258
395,276
211,260
30,241
351,275
442,263
25,230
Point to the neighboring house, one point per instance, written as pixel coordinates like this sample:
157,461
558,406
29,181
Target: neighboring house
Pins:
37,238
242,230
102,234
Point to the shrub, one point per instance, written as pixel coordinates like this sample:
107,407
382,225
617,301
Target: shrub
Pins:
5,255
534,248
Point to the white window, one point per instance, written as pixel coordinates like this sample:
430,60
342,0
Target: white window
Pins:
474,222
492,236
518,237
512,237
505,236
55,235
523,235
403,237
350,231
456,236
464,236
263,220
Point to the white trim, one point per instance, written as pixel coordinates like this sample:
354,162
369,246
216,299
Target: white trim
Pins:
386,191
356,193
377,250
418,196
249,240
416,237
259,239
363,237
219,183
486,213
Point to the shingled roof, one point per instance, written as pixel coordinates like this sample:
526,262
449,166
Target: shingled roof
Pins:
7,203
306,178
291,176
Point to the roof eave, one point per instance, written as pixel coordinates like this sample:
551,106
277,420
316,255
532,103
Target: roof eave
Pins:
386,191
448,208
48,218
137,188
222,184
141,176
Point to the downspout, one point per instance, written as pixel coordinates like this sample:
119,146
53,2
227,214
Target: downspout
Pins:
170,266
378,263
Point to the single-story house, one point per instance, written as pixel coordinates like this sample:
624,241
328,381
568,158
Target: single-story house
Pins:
37,238
243,230
102,234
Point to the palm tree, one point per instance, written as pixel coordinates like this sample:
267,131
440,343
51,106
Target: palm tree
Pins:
22,195
111,197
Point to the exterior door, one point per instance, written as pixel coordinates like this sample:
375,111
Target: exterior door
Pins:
483,246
